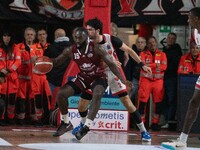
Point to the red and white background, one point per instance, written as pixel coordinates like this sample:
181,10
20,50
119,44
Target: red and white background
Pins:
123,12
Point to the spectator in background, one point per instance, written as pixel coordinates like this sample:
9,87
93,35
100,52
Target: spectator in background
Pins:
41,89
190,63
173,53
122,56
152,83
132,71
55,76
10,60
24,71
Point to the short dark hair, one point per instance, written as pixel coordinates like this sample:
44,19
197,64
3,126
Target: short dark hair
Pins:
152,37
172,33
195,11
95,23
81,29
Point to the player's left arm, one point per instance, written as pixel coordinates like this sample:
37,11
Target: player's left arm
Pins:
108,59
67,52
134,55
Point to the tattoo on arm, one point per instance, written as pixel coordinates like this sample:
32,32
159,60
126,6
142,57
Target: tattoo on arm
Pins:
66,54
109,60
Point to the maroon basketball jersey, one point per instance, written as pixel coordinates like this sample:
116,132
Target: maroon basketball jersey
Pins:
90,64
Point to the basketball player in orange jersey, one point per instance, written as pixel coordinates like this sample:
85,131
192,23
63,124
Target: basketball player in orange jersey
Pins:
194,103
110,43
89,58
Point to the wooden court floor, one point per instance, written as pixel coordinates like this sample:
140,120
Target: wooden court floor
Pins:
25,138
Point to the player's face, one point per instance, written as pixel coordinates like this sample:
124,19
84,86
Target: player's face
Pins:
80,38
91,32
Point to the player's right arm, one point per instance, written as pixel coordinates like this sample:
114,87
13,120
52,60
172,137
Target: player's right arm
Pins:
108,59
66,54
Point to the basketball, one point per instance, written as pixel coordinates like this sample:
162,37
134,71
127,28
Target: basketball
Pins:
43,65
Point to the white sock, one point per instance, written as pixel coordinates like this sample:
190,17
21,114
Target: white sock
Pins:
88,122
84,120
141,127
183,137
65,118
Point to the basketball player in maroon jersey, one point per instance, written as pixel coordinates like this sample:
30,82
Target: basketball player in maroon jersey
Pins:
194,104
89,58
109,44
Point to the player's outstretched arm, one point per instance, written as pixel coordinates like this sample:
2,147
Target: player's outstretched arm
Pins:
108,59
67,52
134,55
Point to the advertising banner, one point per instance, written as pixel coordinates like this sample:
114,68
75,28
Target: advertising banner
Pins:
105,120
107,101
124,13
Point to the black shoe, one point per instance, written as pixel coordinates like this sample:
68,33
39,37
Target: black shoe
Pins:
82,132
64,127
155,127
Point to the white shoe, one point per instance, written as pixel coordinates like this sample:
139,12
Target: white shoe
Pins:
175,145
166,126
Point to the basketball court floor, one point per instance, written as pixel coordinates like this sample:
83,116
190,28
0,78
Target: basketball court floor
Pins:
29,138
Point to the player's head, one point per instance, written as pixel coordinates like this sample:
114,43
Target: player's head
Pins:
94,27
80,36
194,17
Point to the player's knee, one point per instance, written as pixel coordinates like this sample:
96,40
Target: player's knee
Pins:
63,94
194,102
82,105
98,92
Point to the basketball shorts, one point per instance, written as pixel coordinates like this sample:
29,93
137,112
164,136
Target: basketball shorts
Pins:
115,84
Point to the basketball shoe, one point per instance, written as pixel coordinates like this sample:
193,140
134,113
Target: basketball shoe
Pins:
82,132
146,137
64,127
174,145
77,128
